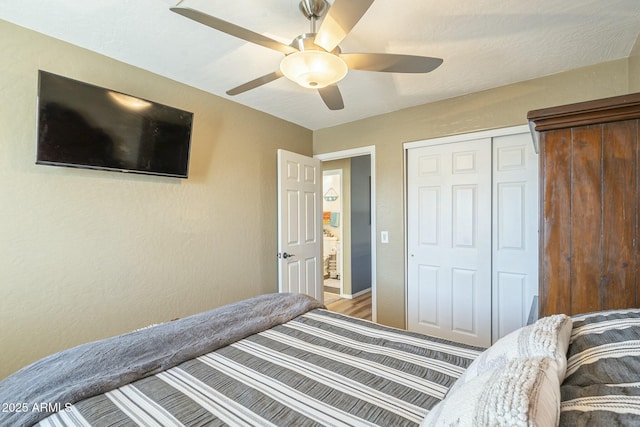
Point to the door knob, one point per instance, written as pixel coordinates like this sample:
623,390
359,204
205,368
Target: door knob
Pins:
286,255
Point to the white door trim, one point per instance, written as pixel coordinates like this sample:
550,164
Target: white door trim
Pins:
355,152
492,133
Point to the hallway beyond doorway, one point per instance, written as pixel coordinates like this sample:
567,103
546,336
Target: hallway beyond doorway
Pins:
361,262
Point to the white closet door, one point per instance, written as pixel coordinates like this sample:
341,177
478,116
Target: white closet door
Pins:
515,231
449,241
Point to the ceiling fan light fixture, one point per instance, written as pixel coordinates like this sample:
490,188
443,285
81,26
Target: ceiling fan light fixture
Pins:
314,69
314,60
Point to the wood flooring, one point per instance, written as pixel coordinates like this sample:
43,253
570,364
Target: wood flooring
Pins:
359,307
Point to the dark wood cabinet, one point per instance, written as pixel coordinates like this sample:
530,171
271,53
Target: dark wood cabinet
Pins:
589,201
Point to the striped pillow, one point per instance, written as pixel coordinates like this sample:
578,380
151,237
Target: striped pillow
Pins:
525,392
602,383
603,339
547,337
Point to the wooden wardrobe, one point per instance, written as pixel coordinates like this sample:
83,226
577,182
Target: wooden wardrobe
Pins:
589,202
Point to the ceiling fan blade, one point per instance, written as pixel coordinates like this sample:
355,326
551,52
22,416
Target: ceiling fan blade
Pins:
255,83
234,30
391,63
341,18
332,97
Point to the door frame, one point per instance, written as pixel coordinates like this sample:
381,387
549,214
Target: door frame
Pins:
491,133
356,152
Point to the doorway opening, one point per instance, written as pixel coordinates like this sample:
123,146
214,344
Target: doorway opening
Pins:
332,227
349,224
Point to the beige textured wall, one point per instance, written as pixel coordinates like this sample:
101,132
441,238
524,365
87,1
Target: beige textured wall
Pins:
497,108
89,254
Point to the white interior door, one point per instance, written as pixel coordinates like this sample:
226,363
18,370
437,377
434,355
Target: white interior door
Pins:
299,224
449,241
515,231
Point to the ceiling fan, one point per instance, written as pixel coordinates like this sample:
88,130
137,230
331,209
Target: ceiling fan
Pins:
314,60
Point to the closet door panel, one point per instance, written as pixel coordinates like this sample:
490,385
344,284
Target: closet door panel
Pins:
515,232
555,230
586,204
620,182
449,241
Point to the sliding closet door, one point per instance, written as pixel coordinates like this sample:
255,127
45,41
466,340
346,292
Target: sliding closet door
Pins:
472,235
515,231
449,241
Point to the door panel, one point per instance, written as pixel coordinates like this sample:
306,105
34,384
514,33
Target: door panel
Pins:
428,276
299,226
449,241
429,218
515,232
464,216
464,295
512,295
293,217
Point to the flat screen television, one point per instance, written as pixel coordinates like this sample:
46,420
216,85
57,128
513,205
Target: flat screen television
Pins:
86,126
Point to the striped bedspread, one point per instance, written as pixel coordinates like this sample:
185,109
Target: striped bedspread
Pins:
321,368
602,385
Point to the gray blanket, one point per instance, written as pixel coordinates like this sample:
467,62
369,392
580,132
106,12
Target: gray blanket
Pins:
94,368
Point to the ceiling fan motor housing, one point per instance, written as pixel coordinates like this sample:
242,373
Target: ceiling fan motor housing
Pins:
313,9
306,41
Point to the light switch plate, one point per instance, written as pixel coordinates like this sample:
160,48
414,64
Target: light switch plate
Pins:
384,237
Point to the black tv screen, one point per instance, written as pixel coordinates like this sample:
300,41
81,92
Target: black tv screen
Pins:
86,126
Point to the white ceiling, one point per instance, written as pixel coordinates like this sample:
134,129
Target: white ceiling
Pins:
484,44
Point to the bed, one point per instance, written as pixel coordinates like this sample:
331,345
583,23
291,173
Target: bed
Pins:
282,359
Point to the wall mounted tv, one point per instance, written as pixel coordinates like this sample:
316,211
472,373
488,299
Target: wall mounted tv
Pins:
86,126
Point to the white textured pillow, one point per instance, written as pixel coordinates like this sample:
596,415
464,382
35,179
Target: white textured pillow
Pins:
525,392
547,337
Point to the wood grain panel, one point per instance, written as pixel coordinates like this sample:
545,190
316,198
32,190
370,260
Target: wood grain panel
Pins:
555,229
597,230
586,219
619,270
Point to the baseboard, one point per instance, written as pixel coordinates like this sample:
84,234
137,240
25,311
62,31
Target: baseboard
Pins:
356,295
